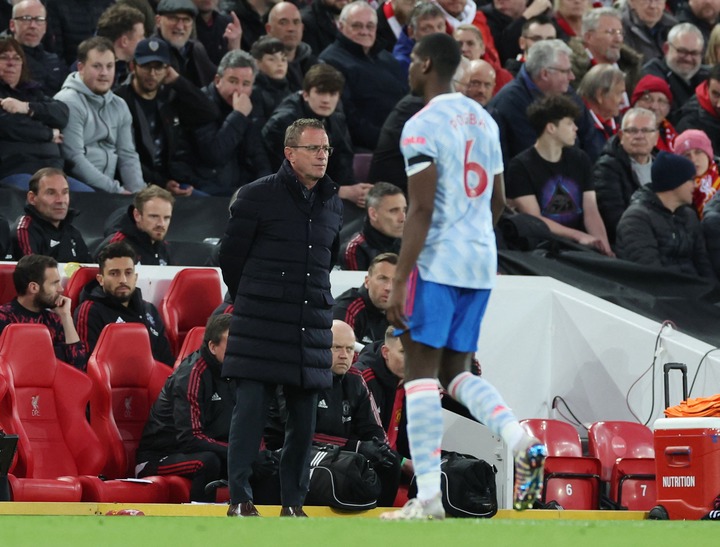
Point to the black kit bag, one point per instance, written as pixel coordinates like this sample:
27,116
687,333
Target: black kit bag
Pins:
341,479
468,486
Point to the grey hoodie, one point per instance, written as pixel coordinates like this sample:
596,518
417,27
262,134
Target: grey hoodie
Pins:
98,139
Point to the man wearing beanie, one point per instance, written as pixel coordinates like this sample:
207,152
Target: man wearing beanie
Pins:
703,110
695,146
653,94
660,229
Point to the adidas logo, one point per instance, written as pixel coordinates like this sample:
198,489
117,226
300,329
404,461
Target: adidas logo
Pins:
119,320
322,404
54,243
216,397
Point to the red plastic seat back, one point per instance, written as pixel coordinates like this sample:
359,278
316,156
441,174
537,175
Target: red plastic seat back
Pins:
611,440
190,300
561,438
7,287
570,479
126,381
77,281
192,343
47,411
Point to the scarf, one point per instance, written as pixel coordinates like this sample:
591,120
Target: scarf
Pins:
706,186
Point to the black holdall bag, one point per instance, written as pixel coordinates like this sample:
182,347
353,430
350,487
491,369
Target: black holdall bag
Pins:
468,486
341,479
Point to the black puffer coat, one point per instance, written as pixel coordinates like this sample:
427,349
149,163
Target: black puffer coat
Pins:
276,258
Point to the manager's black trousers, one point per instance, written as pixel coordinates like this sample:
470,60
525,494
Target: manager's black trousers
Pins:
246,429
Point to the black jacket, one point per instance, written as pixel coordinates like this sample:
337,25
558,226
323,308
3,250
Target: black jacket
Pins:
346,414
69,22
192,412
382,383
357,310
387,163
364,246
193,62
374,83
181,106
319,29
711,231
693,116
26,141
340,164
32,234
46,68
230,149
253,25
298,67
267,94
650,234
682,91
212,36
276,257
505,31
98,309
614,183
149,252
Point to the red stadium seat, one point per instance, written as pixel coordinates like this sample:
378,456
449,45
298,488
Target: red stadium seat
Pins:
192,343
77,281
571,480
627,454
190,300
126,381
59,455
7,287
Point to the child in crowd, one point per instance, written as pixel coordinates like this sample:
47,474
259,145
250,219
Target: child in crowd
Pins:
271,83
695,145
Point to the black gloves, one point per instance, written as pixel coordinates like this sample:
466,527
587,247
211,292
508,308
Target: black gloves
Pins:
377,452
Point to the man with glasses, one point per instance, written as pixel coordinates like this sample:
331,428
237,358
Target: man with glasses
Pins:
602,42
703,110
646,24
175,20
279,247
164,105
534,30
681,66
29,25
481,82
374,79
547,71
624,166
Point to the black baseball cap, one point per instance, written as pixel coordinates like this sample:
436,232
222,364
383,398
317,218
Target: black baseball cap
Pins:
152,50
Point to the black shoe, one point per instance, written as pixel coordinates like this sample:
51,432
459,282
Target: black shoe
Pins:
245,509
295,511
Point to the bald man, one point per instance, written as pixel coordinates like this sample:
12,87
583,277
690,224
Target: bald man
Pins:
481,81
285,24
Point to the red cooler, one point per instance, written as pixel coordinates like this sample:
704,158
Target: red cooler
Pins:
687,466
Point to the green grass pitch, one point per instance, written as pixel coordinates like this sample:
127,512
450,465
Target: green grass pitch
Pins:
79,531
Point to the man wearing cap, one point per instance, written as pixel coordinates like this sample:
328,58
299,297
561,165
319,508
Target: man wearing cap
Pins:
175,20
681,67
164,105
660,228
703,110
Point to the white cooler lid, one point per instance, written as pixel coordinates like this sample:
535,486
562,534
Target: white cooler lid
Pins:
686,423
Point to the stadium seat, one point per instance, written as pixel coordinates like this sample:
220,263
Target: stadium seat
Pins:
58,452
192,343
193,295
361,166
77,281
126,381
627,454
7,287
571,480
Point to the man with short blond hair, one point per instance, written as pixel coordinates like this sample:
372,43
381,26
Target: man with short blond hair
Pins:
145,226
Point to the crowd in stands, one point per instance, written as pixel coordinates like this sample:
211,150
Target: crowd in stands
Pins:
609,118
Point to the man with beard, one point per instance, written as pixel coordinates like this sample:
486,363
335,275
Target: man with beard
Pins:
164,105
681,67
40,300
113,298
145,226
